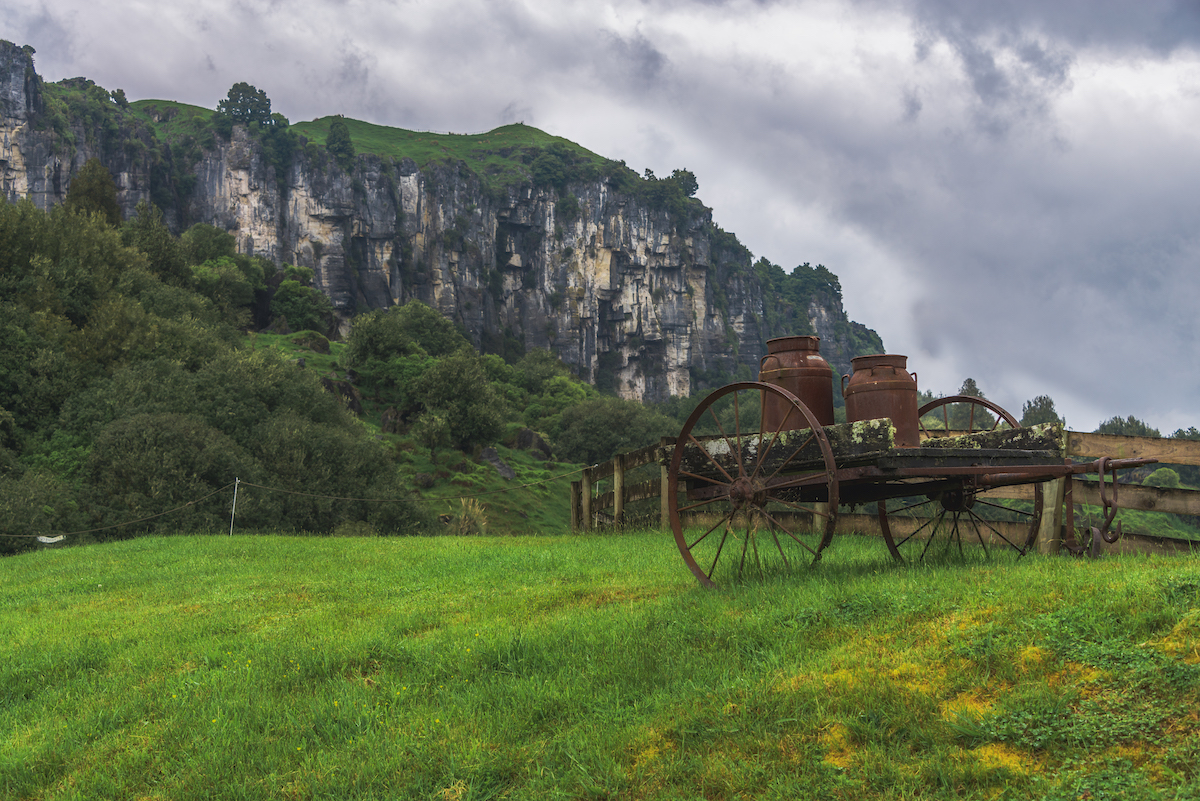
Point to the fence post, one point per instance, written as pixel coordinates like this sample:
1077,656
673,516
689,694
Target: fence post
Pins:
619,490
1049,538
664,504
585,499
575,505
233,509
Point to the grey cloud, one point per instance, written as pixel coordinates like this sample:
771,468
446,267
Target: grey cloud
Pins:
1158,25
516,112
51,35
634,58
912,105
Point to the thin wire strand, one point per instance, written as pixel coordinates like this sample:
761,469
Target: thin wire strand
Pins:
128,522
295,492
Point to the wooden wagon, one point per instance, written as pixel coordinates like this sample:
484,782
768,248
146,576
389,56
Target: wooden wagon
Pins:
770,495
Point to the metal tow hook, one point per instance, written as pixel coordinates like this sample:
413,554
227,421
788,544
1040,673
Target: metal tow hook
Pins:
1110,511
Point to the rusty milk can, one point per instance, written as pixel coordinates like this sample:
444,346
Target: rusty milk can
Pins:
795,364
880,386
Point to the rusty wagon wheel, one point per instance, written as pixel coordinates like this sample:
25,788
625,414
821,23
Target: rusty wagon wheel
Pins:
749,487
953,510
964,414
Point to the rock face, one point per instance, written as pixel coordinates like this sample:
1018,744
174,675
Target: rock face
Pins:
637,300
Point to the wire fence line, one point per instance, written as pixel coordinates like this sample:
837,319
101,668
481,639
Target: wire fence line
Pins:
237,482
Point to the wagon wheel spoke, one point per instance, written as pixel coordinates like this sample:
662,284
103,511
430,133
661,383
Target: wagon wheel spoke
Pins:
806,479
795,452
930,522
725,480
1013,525
720,522
699,504
788,531
965,413
699,477
710,458
799,506
980,522
717,556
779,547
951,515
725,437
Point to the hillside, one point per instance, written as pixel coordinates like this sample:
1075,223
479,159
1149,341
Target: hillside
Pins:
524,240
589,667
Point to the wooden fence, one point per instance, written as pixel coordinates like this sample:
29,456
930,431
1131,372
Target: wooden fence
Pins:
591,509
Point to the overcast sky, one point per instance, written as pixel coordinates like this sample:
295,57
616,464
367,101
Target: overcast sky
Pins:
1009,190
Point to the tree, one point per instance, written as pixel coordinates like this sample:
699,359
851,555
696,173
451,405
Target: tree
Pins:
1127,427
339,144
224,283
93,191
305,307
969,387
1039,410
686,181
246,104
203,242
537,367
432,430
597,429
966,415
149,234
457,386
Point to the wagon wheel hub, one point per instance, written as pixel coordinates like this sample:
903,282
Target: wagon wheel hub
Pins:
957,500
744,490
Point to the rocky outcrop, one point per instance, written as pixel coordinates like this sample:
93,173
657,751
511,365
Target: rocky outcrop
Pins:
637,299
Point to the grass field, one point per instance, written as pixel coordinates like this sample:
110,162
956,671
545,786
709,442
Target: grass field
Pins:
589,667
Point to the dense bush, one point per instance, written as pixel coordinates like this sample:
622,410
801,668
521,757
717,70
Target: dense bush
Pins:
125,393
304,307
596,429
382,334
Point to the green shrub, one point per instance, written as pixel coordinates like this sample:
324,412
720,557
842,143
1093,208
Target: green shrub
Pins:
304,307
147,464
457,386
598,429
1162,477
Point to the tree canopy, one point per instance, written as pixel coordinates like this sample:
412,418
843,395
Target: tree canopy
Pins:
1039,410
246,104
339,143
1127,427
93,191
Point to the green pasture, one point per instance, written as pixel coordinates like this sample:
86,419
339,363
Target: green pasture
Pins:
273,667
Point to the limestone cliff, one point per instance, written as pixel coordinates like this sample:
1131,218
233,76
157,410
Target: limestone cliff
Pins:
641,298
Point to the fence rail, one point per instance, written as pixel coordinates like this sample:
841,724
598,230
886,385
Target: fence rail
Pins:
590,508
